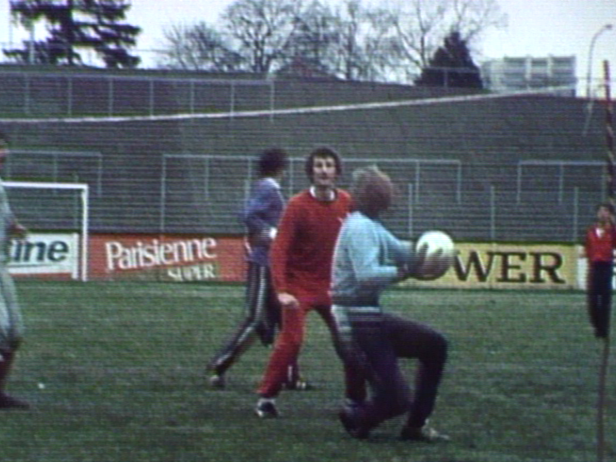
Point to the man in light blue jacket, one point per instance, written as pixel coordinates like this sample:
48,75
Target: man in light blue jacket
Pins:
368,259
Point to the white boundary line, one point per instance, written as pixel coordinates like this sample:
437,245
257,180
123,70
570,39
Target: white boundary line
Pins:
290,111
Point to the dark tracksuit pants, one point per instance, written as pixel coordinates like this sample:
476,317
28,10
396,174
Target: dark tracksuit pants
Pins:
379,340
599,295
262,318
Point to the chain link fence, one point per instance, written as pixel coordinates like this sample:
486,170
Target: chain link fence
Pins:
69,94
138,187
550,202
537,202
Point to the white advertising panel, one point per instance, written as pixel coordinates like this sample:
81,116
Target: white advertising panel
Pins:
45,254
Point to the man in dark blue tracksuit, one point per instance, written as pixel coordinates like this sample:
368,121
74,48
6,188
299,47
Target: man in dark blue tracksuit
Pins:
262,311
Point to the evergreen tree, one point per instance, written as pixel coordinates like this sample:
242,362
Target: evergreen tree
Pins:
77,24
451,66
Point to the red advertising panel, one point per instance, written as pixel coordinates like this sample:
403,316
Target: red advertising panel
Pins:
179,258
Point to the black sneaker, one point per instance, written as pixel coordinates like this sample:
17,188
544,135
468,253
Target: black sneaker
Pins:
266,410
350,421
8,402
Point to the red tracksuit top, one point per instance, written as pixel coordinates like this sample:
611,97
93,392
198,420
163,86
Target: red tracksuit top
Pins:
301,255
600,248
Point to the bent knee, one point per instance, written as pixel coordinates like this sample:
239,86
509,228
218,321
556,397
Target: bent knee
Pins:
439,346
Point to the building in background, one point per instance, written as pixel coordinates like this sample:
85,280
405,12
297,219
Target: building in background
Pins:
530,73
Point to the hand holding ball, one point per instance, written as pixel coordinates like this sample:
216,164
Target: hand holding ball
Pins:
435,252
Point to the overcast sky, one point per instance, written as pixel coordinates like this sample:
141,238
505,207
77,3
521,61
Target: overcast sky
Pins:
536,27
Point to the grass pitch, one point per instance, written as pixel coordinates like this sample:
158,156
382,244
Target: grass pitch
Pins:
115,372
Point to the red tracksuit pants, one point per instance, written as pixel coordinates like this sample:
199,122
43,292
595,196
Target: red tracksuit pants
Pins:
289,343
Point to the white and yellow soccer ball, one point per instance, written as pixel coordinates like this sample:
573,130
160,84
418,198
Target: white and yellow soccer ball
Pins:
439,254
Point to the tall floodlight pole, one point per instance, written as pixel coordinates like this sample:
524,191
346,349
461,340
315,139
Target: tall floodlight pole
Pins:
590,57
611,189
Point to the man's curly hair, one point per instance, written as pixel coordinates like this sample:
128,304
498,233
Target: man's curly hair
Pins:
322,152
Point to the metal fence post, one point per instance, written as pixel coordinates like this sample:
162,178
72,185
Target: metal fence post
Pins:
151,90
27,94
417,179
561,183
69,95
232,99
206,174
291,177
409,201
248,182
110,96
272,99
191,99
576,213
163,194
519,183
459,184
492,212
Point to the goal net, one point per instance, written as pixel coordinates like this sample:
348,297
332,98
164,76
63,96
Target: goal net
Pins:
56,215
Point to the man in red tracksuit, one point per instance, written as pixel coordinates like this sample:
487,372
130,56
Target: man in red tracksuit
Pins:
301,262
599,248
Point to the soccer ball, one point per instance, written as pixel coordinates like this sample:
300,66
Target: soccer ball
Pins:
440,253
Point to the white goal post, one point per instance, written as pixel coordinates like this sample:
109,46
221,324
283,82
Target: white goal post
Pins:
82,190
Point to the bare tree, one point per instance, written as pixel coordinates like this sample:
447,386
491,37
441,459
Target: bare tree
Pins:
473,17
313,39
352,61
420,26
198,47
262,30
378,46
355,37
348,39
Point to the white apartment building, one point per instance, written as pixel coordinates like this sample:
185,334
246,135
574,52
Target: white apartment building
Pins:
529,73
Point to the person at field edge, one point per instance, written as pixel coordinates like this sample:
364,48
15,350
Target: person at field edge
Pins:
300,258
11,323
262,310
599,251
367,259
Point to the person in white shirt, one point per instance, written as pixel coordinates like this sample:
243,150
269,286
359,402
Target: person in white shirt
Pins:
11,323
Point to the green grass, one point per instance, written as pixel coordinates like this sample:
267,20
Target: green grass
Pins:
123,371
